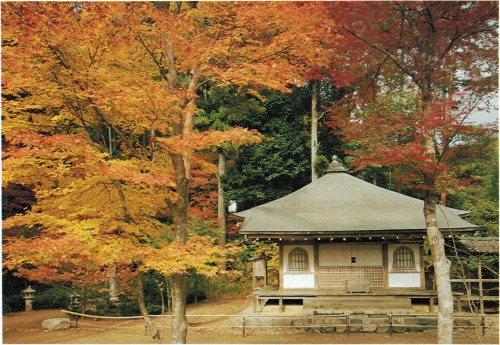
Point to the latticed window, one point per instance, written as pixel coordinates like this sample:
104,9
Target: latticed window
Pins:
298,260
403,260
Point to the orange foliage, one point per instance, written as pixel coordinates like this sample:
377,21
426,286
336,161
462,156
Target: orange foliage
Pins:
101,105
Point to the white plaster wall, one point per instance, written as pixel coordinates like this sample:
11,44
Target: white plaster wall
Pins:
404,280
340,254
298,281
411,279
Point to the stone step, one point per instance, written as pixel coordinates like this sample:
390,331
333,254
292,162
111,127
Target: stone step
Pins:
365,311
370,303
360,296
358,305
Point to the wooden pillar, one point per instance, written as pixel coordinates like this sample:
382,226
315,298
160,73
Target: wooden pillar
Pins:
431,304
385,264
480,277
280,275
469,284
316,265
422,266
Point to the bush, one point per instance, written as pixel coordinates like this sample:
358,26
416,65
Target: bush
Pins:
51,298
129,309
12,303
154,309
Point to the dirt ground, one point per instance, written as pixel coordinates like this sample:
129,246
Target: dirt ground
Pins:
26,328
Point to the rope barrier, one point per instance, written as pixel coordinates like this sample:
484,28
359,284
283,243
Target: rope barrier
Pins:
101,317
306,319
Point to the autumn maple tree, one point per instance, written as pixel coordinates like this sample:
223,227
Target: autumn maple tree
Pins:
428,65
100,118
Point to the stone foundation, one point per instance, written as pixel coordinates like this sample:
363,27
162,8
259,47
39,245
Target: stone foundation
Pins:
359,323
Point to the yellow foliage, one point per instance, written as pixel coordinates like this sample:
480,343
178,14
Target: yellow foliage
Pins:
101,96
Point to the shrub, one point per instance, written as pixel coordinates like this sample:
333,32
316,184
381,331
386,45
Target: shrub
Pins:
51,298
12,303
129,309
154,309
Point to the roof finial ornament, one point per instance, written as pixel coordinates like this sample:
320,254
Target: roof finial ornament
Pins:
335,166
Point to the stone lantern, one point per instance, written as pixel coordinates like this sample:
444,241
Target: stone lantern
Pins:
29,296
75,303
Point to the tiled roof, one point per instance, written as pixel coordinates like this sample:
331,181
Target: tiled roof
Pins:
480,245
340,203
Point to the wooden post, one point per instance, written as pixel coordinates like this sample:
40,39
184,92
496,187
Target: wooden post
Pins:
422,265
385,264
469,284
282,266
316,265
480,276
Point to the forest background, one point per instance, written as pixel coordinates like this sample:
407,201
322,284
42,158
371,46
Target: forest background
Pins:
111,112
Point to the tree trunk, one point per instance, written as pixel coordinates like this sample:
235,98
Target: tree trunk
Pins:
440,262
441,266
180,285
84,299
444,194
155,332
314,130
179,209
221,210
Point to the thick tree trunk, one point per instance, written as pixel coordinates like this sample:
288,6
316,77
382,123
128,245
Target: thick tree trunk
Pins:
221,210
441,270
179,216
155,332
314,130
180,284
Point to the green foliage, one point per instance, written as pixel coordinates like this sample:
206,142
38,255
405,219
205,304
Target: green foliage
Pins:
223,107
321,163
200,227
51,298
483,212
481,195
154,309
12,303
129,309
277,166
